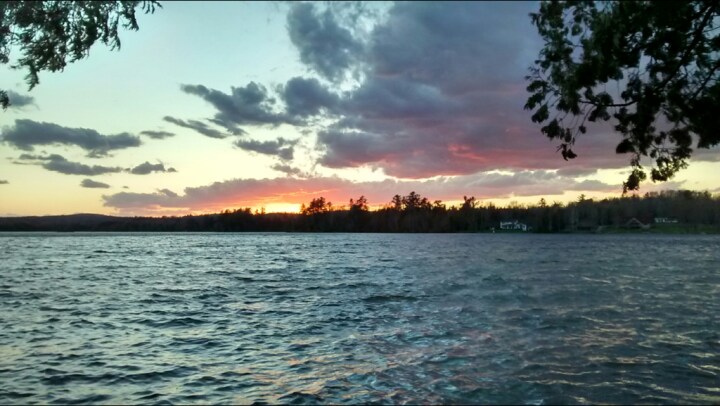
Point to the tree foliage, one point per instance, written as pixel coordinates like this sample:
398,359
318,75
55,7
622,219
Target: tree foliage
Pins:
359,205
316,206
650,68
689,211
414,201
51,34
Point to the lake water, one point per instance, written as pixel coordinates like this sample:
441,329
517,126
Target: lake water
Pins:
358,318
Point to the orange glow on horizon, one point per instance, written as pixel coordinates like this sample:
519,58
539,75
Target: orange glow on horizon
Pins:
280,208
274,206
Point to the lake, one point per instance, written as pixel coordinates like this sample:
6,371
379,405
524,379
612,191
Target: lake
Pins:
359,318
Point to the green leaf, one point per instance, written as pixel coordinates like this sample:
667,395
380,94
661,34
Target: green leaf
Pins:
625,146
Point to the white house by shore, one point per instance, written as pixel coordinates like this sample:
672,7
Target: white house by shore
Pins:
513,225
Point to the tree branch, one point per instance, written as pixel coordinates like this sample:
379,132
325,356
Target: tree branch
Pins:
705,82
697,35
631,102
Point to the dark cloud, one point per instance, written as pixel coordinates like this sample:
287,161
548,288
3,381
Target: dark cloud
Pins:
459,46
232,128
253,105
91,184
163,198
3,182
574,171
58,163
167,192
440,91
26,134
249,105
281,147
356,148
147,168
290,170
324,45
29,157
307,97
443,94
706,154
392,99
252,192
198,126
18,100
157,135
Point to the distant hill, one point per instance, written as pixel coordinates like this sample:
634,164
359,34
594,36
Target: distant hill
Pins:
71,222
240,220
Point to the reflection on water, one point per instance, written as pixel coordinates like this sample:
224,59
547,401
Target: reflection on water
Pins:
309,318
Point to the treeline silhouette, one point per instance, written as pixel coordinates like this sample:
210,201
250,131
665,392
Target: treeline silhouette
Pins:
684,209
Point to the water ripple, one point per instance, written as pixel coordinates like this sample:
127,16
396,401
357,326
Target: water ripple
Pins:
337,318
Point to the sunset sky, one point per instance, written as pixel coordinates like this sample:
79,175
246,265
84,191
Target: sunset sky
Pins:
213,106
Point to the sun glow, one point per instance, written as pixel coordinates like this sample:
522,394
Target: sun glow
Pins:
280,208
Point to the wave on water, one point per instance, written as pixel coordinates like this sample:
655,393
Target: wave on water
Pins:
348,319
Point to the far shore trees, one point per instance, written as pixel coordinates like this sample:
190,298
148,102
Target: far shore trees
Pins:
668,211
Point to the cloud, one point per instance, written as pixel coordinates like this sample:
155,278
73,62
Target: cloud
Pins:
26,134
91,184
18,100
355,148
168,193
282,148
453,43
431,89
442,94
575,171
157,135
3,182
249,105
324,45
433,102
706,154
198,126
290,170
58,163
307,97
147,168
381,98
29,157
254,105
255,192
